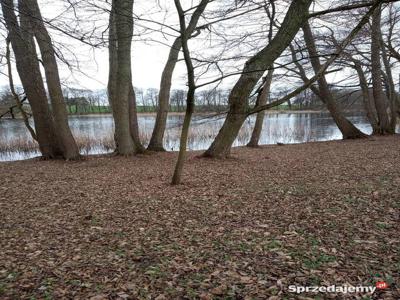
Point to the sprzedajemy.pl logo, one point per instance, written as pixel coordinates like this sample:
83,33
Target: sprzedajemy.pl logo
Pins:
344,289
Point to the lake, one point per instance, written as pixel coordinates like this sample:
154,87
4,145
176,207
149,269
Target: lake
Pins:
94,133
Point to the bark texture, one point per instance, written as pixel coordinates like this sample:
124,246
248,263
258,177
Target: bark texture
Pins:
21,35
252,72
67,142
120,90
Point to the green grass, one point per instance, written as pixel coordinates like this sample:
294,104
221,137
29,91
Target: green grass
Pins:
318,260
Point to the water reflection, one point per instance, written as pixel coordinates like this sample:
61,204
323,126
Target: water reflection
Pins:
95,133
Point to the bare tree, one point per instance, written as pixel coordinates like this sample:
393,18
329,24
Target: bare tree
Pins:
55,140
252,72
120,90
156,141
381,105
59,110
185,35
348,130
16,97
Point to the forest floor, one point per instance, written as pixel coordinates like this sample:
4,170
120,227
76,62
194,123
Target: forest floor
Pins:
325,213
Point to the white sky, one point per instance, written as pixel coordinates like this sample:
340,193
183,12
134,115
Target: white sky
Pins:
150,56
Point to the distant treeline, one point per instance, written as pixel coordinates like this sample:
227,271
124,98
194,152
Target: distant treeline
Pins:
214,100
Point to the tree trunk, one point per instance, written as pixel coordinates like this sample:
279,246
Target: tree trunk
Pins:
134,121
261,100
18,101
367,99
156,141
67,142
185,35
252,72
348,130
120,76
379,98
21,37
391,90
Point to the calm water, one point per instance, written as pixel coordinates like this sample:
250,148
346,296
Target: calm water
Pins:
96,132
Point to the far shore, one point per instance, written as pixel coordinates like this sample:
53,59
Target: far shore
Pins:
208,113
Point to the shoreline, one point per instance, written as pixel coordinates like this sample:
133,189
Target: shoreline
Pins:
196,113
209,113
197,152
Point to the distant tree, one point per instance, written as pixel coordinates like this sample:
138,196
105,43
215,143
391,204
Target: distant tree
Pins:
178,99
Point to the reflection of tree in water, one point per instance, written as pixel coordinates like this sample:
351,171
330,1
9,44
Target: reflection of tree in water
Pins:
94,134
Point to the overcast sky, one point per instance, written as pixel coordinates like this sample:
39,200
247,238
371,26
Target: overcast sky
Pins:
148,57
150,49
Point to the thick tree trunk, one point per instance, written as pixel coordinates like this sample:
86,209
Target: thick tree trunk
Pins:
156,141
261,100
379,98
67,142
120,76
348,130
21,37
252,72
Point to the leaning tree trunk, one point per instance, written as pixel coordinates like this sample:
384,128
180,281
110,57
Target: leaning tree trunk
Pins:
156,141
120,76
252,72
348,130
18,101
67,142
261,100
377,89
21,37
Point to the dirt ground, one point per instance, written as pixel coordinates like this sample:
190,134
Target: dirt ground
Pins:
316,214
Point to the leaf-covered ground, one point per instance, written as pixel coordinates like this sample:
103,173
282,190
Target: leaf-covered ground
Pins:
242,228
